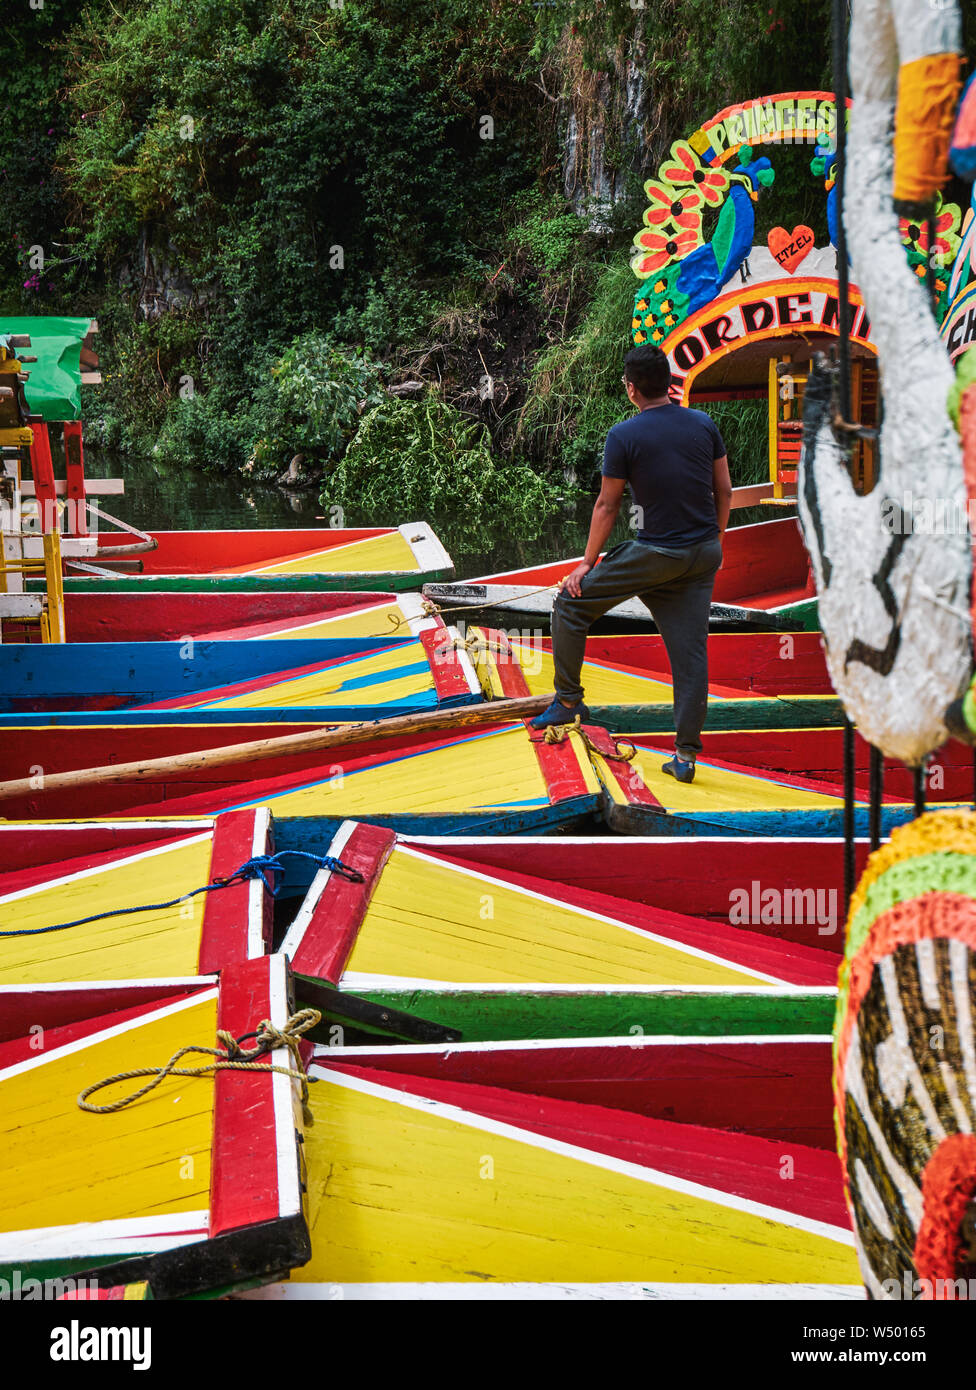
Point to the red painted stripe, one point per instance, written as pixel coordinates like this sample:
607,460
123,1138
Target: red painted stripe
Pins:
171,617
560,767
64,853
226,911
72,1013
625,774
211,552
450,681
338,915
244,1181
778,1090
734,1163
756,949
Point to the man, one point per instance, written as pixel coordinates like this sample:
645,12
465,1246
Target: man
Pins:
675,462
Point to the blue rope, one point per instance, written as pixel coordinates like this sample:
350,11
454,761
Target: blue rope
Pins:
261,866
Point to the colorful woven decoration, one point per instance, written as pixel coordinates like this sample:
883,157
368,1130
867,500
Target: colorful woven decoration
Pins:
904,1059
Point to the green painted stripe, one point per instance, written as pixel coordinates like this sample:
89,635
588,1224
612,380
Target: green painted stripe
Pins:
497,1016
397,581
778,712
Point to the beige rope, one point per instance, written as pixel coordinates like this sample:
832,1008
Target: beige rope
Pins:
557,733
430,608
232,1058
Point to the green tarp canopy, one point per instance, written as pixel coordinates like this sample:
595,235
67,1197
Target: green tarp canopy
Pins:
54,388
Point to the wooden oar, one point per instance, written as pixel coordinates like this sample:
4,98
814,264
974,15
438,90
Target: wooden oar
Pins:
312,741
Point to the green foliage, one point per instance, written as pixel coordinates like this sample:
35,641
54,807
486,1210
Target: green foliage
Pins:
412,458
315,398
546,232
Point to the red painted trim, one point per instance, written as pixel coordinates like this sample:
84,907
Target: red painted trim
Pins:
450,682
740,1164
244,1164
223,552
560,766
224,937
339,912
777,1090
74,460
42,469
43,859
624,774
76,1012
511,677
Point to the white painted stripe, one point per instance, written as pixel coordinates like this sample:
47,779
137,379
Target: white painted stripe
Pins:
285,1096
854,1086
927,973
150,1233
640,1040
125,986
959,961
465,663
296,932
896,1013
486,1290
100,869
428,553
873,1204
80,1044
663,841
591,1157
260,844
587,915
357,981
82,826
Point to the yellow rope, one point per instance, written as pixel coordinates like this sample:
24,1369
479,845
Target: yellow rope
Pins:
557,733
430,608
232,1058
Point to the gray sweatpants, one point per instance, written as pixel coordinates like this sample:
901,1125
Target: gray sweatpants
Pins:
676,585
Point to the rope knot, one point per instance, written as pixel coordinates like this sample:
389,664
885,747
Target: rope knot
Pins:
558,733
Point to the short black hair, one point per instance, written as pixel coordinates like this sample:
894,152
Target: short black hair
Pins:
646,367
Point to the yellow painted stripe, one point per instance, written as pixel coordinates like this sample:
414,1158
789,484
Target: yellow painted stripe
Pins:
376,553
62,1166
601,685
145,945
388,620
428,920
478,772
373,685
714,788
405,1195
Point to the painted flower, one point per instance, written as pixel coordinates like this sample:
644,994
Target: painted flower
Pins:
670,206
661,248
687,168
915,234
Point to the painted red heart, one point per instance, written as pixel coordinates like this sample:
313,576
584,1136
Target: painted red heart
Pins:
790,248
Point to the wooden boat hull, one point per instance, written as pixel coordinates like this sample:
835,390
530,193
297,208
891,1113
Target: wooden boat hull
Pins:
765,578
521,938
287,560
70,870
604,1169
166,1193
339,679
173,617
492,779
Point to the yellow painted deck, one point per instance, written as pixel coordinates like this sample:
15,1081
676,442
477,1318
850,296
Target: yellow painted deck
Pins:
145,945
368,680
430,920
382,554
62,1166
714,788
384,620
482,771
398,1194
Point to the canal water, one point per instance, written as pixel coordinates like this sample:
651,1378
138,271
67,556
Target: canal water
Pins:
162,496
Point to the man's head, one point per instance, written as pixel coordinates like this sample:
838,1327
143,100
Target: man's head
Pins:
646,373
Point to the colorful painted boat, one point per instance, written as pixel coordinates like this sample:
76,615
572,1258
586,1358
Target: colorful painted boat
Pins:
528,938
370,558
195,1187
173,617
492,780
764,580
144,873
756,680
651,1167
340,679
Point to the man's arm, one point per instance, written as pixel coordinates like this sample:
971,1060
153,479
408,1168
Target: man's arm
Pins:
605,511
722,491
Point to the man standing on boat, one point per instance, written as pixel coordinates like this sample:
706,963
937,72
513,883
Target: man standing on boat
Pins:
675,462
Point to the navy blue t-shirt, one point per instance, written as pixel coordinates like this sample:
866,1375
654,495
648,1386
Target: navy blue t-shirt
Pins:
666,454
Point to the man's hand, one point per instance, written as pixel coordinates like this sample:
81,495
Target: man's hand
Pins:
572,581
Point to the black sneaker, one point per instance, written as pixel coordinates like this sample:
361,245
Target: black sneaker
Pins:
558,713
679,769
